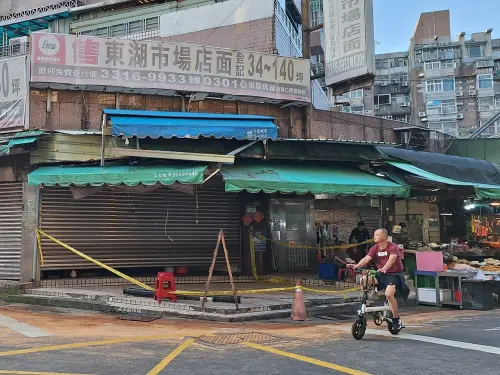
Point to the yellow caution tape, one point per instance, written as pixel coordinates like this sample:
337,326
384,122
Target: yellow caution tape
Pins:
295,246
39,242
252,258
100,264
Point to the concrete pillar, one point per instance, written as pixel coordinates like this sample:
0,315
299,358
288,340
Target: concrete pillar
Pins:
28,242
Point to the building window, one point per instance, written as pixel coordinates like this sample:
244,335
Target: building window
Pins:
356,94
485,81
102,32
430,55
382,99
497,103
475,51
440,85
135,27
118,30
381,64
486,104
433,65
447,127
441,107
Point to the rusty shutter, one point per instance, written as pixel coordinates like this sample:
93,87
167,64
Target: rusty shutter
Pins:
125,229
11,223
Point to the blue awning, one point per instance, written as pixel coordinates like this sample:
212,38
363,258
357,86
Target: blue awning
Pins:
152,124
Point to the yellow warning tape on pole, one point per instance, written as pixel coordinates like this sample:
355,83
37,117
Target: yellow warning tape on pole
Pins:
100,264
39,242
252,257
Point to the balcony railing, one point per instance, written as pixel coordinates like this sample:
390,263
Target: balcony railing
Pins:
14,50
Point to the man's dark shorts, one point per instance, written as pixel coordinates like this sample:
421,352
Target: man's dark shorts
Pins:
386,279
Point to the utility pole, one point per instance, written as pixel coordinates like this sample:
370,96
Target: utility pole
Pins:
306,54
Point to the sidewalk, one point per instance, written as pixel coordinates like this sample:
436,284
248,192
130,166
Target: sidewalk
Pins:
255,306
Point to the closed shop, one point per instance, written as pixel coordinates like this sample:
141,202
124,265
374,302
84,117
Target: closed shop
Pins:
11,222
124,228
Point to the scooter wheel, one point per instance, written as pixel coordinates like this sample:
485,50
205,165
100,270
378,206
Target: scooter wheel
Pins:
377,319
358,329
391,328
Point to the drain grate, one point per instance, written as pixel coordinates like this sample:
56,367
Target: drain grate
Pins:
234,339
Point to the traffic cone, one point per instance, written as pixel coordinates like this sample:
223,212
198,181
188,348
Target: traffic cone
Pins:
298,307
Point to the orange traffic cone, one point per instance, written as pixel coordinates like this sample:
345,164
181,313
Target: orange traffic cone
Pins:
298,307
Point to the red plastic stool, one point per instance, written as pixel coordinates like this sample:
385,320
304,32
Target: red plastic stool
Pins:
165,285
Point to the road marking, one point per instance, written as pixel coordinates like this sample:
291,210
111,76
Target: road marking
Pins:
438,341
11,372
169,358
87,343
302,358
493,329
22,328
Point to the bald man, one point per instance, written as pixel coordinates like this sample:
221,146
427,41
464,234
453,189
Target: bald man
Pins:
387,258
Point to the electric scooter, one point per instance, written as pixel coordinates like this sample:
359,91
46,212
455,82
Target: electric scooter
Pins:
380,313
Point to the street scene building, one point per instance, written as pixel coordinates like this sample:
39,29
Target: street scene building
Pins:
229,161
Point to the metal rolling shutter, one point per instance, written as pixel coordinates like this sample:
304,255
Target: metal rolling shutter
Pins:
11,223
372,223
128,229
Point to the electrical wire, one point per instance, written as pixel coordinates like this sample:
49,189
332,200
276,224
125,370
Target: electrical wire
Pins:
225,19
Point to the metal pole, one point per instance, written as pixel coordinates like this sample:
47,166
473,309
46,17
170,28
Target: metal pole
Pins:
35,244
103,139
306,54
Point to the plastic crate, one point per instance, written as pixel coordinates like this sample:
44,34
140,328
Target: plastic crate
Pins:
328,271
478,294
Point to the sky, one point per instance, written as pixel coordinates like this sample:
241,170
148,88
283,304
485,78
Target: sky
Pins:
395,20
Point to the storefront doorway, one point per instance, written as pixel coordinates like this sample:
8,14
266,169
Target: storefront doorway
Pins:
292,223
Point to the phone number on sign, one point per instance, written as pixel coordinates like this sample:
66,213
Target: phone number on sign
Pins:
169,77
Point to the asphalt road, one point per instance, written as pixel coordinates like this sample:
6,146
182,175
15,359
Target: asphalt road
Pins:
436,341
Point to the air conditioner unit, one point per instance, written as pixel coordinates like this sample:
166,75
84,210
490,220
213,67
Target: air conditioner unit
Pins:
19,46
419,85
472,92
459,93
377,106
404,104
460,116
420,91
472,87
459,81
395,81
421,114
383,84
460,103
421,75
460,87
368,111
404,84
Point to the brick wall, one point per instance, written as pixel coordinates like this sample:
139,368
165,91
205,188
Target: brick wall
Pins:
255,36
339,125
82,110
341,214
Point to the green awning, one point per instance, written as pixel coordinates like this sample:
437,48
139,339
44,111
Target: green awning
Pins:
116,175
302,179
483,191
21,139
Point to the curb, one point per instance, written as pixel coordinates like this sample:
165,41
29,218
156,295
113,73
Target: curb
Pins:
115,308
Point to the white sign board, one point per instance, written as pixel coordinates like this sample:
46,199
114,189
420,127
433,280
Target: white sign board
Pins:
78,60
13,92
349,40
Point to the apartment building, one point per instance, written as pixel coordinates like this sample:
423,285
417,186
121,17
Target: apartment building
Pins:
454,80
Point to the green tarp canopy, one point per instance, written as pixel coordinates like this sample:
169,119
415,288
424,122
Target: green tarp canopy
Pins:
302,179
483,191
116,175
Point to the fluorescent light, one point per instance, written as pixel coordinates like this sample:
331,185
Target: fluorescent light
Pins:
446,214
470,206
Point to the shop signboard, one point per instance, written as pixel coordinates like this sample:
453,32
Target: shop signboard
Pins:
349,40
90,61
13,92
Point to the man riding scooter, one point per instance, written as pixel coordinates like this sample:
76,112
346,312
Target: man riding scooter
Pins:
387,258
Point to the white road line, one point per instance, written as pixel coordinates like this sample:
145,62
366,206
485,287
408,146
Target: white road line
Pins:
435,340
22,328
